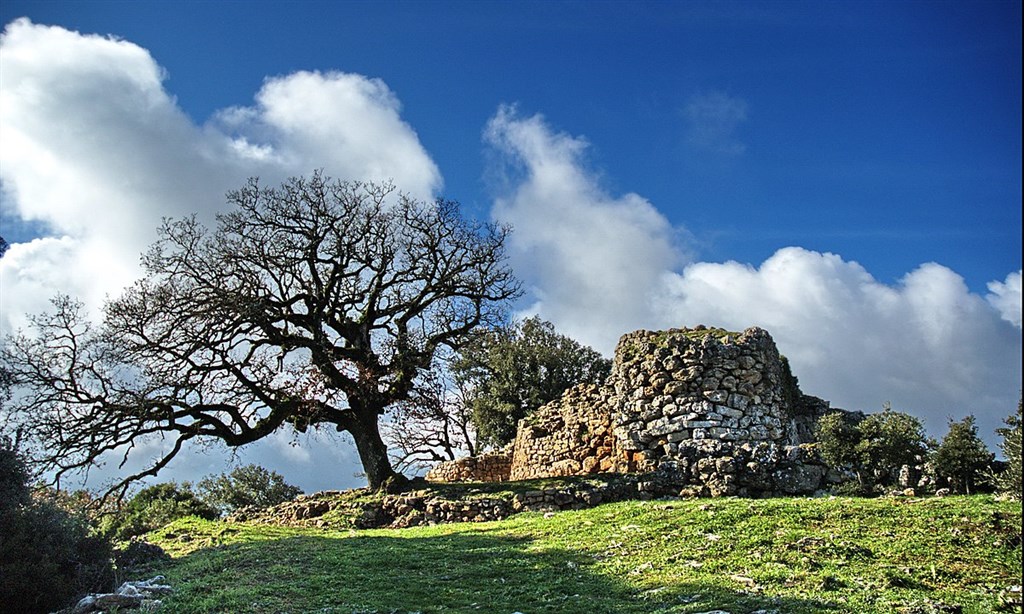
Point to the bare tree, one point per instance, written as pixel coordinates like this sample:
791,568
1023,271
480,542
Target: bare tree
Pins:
436,422
316,303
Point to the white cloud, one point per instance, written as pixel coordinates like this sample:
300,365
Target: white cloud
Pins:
927,344
712,119
96,148
602,266
343,122
1006,297
590,258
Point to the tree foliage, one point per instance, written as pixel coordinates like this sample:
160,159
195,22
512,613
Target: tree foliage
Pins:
313,304
513,370
875,447
838,437
889,440
246,486
962,458
47,556
1009,481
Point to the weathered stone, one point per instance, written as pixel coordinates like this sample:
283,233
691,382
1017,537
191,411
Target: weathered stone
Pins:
129,596
490,467
674,395
800,479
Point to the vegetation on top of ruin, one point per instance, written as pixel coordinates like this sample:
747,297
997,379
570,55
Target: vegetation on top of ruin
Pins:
663,338
700,332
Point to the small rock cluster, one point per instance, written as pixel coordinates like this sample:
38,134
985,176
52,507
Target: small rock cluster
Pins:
143,594
712,412
709,468
489,467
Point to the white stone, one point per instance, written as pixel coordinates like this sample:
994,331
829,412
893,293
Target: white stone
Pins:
714,395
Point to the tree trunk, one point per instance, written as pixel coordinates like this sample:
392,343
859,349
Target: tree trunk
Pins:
372,452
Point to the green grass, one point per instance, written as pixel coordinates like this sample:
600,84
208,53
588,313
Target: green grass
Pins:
739,555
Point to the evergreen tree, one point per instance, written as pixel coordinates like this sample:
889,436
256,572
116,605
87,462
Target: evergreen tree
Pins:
1010,480
514,370
246,486
962,457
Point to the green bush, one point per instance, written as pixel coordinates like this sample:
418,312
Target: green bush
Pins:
154,507
889,440
246,486
516,369
48,557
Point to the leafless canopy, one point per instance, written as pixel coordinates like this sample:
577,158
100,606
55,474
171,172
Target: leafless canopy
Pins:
316,303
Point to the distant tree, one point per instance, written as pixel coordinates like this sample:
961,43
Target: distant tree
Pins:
1009,481
889,440
838,437
435,423
962,458
511,371
154,507
875,447
316,304
4,246
246,486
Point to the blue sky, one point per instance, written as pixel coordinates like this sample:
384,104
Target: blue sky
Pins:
887,132
845,174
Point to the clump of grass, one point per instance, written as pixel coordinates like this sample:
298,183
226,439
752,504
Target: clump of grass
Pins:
792,555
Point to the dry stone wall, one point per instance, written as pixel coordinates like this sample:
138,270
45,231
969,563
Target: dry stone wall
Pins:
335,509
489,467
682,385
570,436
706,411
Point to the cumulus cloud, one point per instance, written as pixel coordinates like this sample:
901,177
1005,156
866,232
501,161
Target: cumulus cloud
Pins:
95,147
96,150
712,119
1006,297
603,265
590,257
345,122
927,344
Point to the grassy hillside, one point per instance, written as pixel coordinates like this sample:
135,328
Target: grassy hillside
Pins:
789,555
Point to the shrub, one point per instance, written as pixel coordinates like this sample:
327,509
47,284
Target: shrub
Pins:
1009,481
837,439
962,458
48,557
889,440
154,507
249,485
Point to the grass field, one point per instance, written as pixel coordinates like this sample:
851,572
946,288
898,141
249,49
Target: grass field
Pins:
737,555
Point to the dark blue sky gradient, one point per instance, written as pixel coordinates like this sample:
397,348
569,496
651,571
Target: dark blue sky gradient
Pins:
886,132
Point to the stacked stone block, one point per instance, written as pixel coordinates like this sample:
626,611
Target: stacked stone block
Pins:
489,467
683,385
569,436
702,411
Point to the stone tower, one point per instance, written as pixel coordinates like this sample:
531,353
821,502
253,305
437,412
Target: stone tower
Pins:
707,410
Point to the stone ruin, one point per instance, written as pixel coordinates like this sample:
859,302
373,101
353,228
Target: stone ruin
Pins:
702,412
